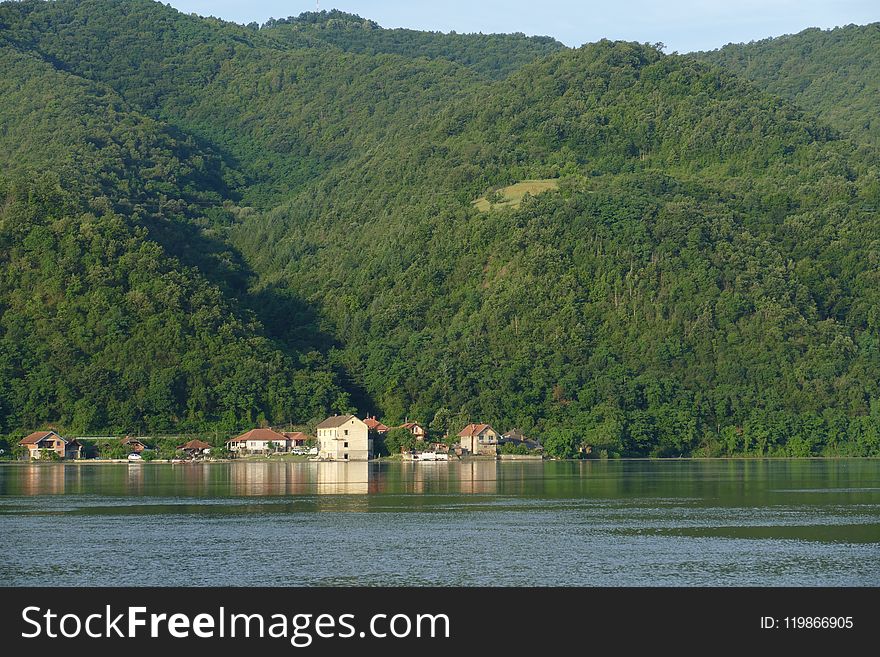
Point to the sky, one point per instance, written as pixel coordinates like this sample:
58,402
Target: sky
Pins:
682,25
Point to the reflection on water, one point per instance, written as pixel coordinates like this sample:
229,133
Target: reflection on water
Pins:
336,478
723,482
479,477
678,522
759,481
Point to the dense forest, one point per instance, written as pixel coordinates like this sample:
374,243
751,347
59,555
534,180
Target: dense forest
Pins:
206,226
492,55
833,74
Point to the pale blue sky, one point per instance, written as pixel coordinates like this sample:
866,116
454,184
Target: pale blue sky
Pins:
683,25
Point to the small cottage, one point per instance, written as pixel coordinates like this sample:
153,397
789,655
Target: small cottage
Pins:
40,443
259,441
415,429
479,439
134,445
194,447
516,437
296,438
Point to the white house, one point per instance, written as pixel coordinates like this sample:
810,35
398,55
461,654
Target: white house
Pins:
344,438
258,441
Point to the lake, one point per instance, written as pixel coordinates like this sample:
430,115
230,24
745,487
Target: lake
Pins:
469,523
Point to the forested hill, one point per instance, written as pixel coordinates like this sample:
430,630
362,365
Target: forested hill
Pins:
492,55
834,74
121,307
702,276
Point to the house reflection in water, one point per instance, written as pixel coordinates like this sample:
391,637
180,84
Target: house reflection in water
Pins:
258,479
431,477
341,478
135,478
50,479
479,477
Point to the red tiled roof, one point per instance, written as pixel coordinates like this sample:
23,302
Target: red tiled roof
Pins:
473,430
261,434
36,437
131,439
296,435
374,424
195,444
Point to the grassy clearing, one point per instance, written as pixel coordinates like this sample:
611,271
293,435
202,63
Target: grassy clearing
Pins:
512,196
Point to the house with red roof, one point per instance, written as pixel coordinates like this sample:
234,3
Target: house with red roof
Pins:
135,445
415,429
479,439
296,438
195,448
375,426
40,443
260,441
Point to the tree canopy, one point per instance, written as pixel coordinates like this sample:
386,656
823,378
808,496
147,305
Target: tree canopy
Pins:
207,225
833,74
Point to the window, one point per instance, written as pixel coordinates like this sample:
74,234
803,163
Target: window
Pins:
345,431
345,445
345,456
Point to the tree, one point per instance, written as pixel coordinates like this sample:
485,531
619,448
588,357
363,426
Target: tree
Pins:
399,439
561,443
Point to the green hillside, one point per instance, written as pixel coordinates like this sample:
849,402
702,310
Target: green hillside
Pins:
833,74
700,277
118,303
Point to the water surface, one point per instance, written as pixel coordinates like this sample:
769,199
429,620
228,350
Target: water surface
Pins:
530,523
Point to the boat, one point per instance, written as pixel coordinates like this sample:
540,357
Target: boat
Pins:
430,456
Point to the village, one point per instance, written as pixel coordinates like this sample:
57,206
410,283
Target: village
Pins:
338,438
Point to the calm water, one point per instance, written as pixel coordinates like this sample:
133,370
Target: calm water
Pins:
681,523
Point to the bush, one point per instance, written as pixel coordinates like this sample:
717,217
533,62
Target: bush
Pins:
49,455
167,449
112,450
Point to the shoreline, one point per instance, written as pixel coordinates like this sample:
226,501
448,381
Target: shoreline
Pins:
672,459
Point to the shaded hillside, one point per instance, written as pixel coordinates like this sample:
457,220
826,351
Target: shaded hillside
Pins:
101,327
834,74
